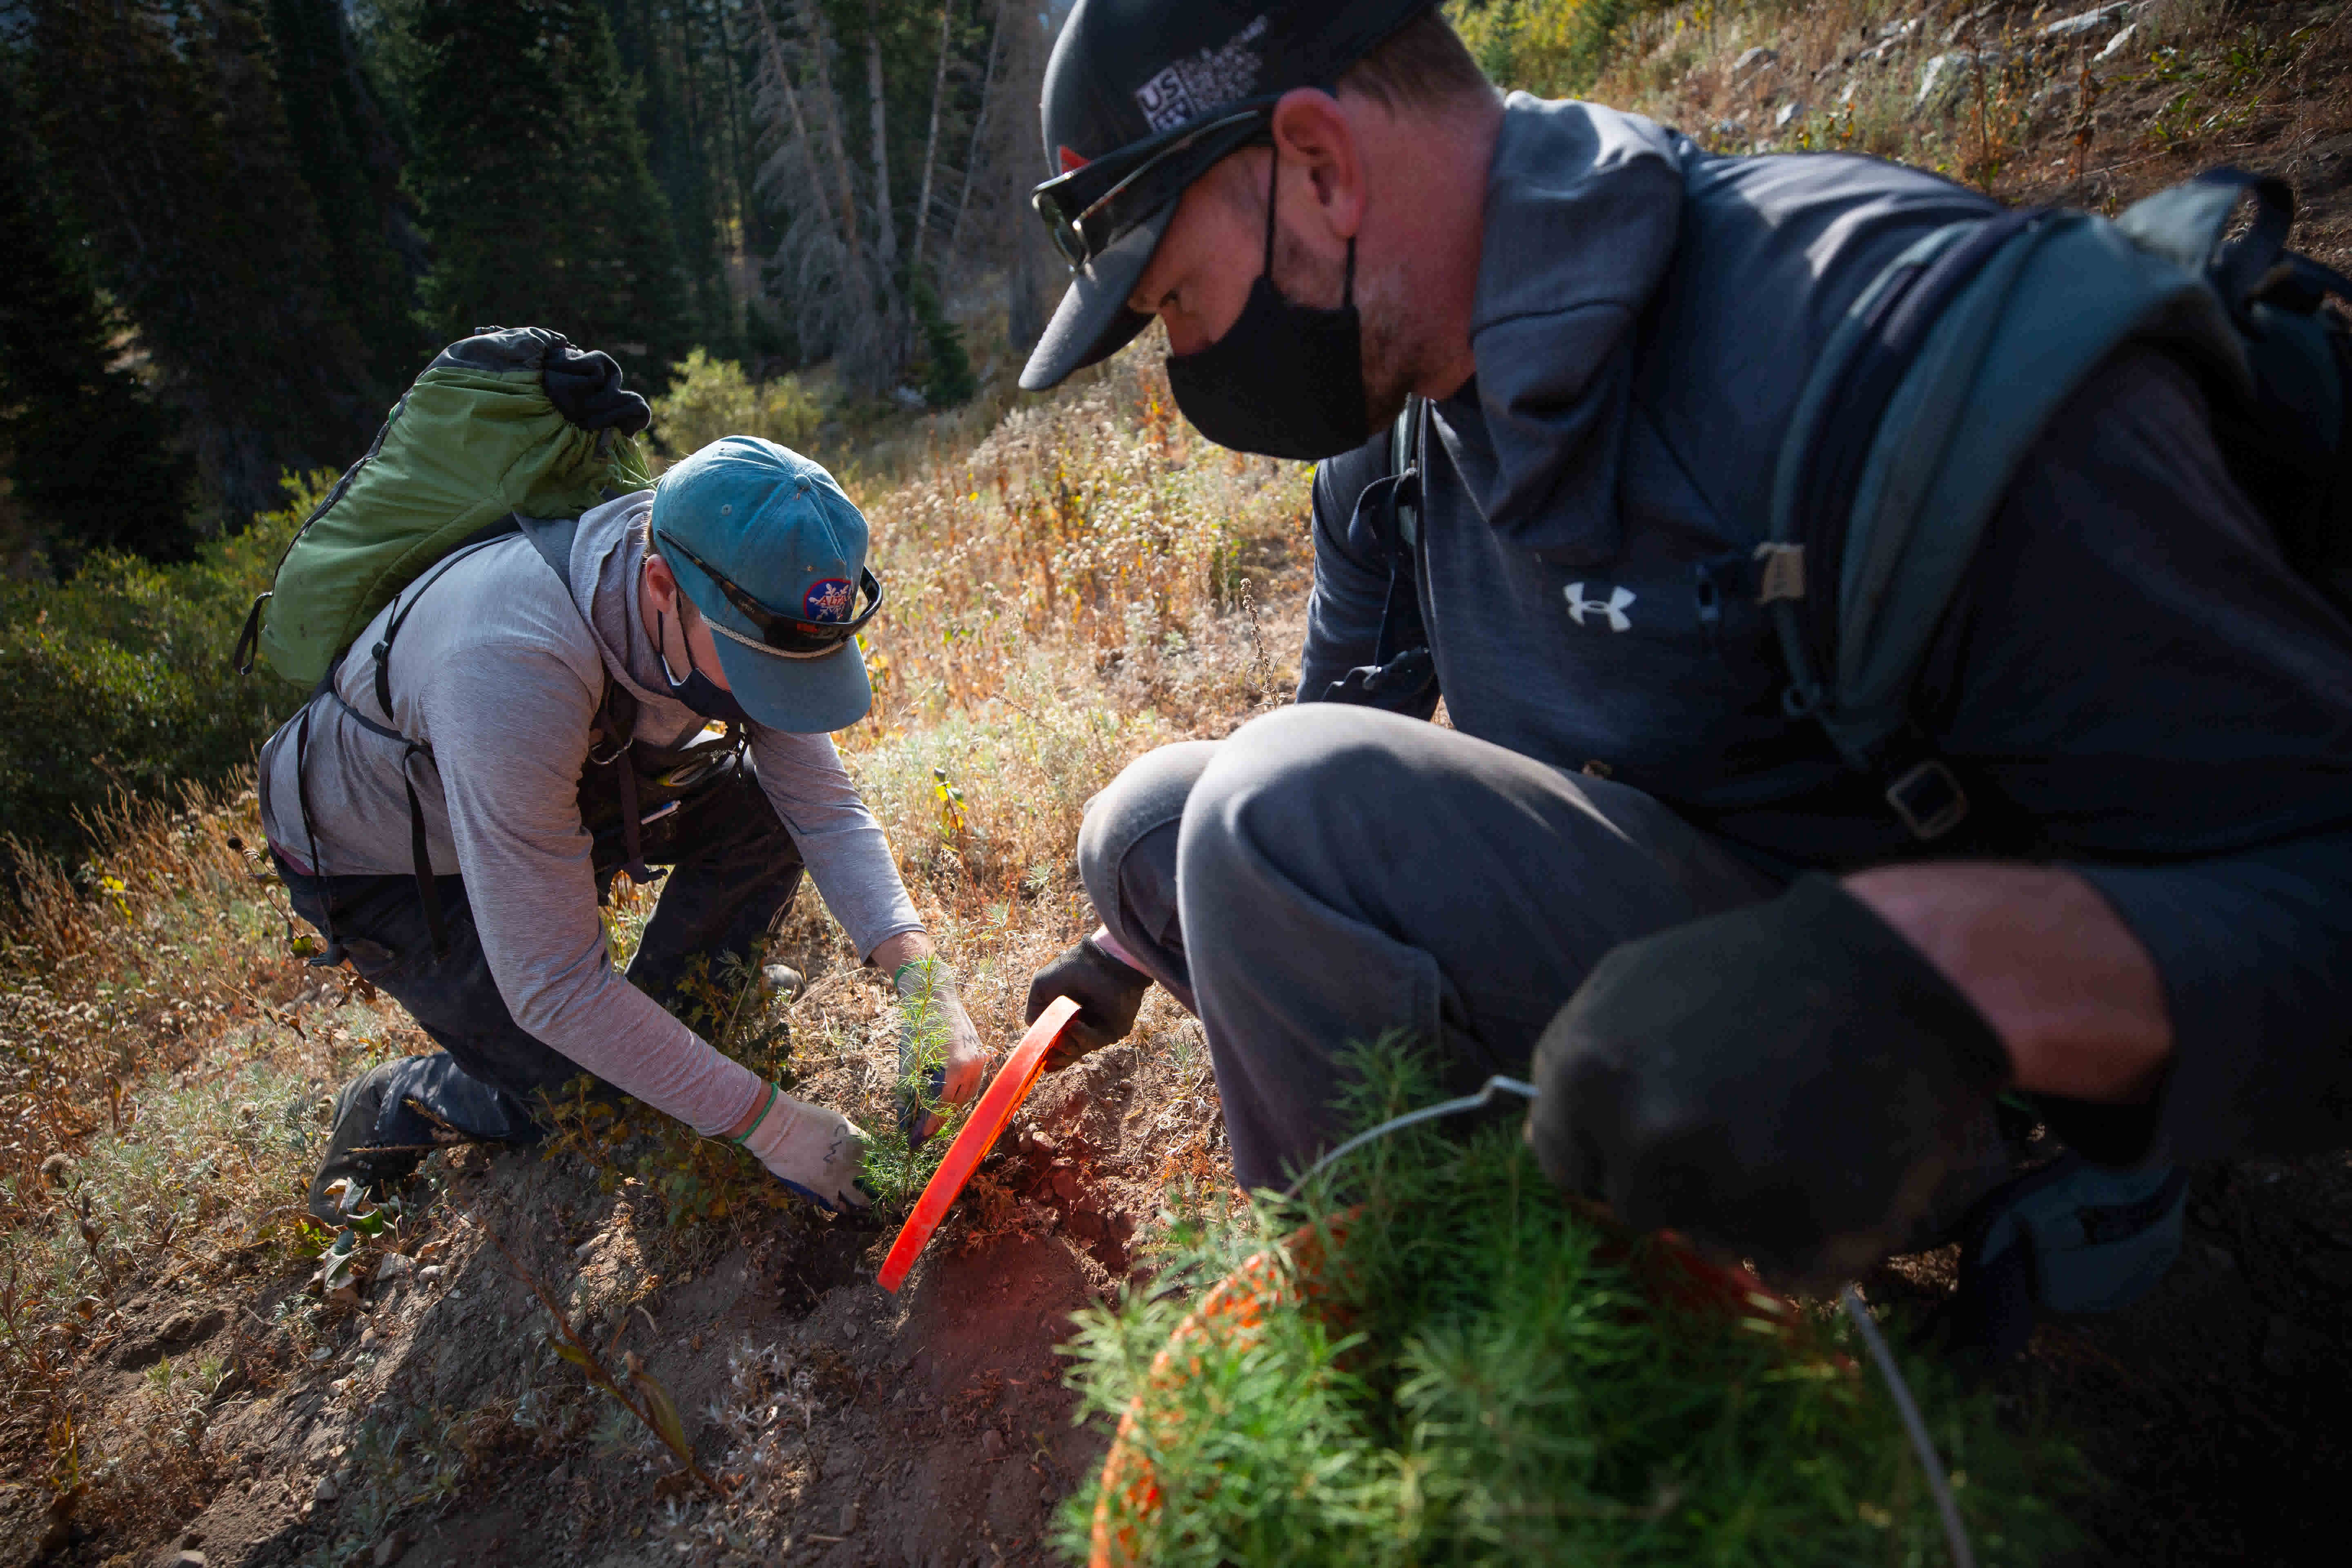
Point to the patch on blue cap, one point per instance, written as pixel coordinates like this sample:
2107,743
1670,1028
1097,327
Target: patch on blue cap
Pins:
828,600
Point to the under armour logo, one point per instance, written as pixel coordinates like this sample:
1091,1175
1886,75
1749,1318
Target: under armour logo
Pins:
1613,607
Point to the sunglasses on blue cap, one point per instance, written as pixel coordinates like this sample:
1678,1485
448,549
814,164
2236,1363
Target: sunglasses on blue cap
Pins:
790,636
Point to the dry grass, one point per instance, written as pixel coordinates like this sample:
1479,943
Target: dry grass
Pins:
2022,113
125,968
166,1063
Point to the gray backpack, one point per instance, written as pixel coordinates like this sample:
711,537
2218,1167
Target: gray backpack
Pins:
1909,431
1944,373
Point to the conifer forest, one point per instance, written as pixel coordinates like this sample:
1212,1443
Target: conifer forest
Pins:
235,229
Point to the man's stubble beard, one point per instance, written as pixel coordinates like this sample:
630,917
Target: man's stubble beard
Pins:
1388,374
1387,329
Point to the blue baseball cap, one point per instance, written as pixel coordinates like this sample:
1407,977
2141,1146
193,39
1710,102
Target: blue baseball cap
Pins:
773,554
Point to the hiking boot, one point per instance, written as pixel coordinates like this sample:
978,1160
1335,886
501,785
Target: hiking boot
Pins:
357,1106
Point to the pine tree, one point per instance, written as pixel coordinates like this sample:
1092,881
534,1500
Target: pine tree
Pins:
351,158
165,123
870,171
531,173
89,453
666,47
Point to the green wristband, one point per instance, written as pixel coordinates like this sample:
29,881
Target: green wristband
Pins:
765,1106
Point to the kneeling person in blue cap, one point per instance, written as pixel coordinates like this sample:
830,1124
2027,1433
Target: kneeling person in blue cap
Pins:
505,738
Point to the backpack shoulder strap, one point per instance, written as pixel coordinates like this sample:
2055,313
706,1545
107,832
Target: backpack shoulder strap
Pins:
1909,432
617,711
551,537
420,860
2289,445
1402,669
613,736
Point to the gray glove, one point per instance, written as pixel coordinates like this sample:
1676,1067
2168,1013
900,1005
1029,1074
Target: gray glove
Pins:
816,1152
1788,1082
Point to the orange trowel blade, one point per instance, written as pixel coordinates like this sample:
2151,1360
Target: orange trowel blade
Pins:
997,1103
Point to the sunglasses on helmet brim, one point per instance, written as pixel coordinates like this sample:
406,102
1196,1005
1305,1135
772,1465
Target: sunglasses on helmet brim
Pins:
1095,206
795,637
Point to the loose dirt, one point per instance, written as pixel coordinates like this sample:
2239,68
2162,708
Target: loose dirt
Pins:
425,1420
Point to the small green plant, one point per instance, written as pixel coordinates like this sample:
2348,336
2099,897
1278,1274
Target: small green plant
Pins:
394,1465
896,1168
699,1180
726,1003
183,1393
1476,1373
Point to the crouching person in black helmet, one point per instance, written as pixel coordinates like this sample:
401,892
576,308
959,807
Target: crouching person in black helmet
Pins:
514,728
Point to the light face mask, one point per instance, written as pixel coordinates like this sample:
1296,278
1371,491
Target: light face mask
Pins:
1286,380
697,692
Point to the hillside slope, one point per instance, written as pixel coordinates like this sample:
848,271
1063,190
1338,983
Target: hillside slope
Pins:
1088,582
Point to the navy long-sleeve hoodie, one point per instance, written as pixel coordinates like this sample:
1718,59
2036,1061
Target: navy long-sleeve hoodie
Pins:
2130,666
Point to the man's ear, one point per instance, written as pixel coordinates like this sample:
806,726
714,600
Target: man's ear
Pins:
1314,135
660,582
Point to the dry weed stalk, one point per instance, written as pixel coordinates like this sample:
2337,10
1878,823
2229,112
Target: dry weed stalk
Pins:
636,1390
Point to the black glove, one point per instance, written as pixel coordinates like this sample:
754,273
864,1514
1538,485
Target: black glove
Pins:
1788,1082
1108,994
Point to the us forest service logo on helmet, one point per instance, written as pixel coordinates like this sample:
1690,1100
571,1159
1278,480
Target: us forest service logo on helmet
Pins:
1613,607
828,600
1188,88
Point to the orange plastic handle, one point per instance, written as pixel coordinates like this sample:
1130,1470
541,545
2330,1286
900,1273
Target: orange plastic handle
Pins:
1003,1098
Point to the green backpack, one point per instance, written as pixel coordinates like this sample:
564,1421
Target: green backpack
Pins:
508,422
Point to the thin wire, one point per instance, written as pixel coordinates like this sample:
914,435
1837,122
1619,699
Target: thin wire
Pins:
1483,1098
1956,1534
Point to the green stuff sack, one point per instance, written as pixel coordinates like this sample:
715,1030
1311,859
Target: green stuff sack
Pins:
505,422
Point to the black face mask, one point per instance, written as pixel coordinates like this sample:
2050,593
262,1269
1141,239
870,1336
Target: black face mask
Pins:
697,692
1286,380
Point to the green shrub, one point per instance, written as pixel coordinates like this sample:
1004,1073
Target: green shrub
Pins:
119,679
1553,48
1482,1378
709,398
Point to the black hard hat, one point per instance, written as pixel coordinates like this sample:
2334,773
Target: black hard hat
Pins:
1141,97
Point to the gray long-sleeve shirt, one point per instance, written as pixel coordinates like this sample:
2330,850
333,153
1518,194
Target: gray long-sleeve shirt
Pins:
2130,665
499,671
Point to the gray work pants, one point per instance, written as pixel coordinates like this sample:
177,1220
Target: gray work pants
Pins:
1330,874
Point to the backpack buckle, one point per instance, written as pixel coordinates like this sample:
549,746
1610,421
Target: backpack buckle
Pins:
1780,573
1929,799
